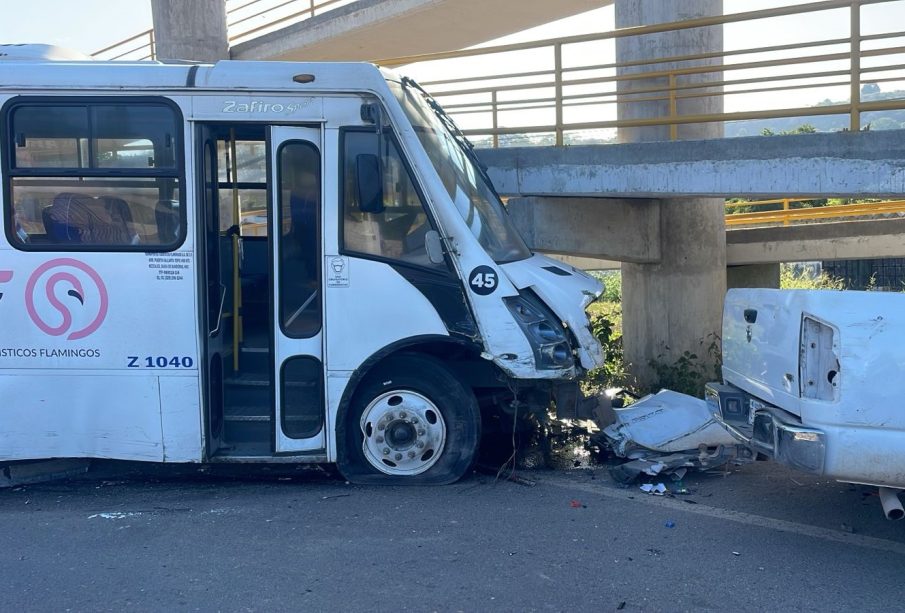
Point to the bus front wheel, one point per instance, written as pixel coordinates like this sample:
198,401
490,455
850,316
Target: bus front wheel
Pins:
411,421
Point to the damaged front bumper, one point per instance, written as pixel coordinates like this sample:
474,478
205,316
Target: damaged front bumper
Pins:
767,430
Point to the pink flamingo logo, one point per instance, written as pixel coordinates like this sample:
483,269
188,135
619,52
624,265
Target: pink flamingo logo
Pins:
60,271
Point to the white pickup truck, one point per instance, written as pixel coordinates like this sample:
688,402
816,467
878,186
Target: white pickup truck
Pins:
816,380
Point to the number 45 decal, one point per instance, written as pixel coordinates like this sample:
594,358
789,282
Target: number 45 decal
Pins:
483,280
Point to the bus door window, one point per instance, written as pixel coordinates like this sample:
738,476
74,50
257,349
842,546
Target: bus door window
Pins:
299,249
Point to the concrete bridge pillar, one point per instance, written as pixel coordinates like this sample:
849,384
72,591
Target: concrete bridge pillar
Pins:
674,305
190,30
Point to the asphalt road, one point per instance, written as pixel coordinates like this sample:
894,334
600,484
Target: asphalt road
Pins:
162,539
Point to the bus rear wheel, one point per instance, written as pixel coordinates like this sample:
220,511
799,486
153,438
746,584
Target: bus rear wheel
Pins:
411,421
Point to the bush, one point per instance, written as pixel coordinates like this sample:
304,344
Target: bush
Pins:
606,326
792,277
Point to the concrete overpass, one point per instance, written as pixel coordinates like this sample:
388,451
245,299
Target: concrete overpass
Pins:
366,30
601,205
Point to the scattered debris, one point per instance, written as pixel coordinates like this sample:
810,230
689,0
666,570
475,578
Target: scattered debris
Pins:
656,490
115,515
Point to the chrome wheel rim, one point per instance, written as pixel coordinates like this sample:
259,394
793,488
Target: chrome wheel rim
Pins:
404,433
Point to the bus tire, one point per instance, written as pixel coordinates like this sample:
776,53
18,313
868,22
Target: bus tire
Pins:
410,422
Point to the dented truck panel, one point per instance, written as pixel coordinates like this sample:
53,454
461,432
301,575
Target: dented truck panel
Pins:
824,368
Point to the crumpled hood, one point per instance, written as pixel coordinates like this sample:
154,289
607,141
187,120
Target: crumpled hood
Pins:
567,291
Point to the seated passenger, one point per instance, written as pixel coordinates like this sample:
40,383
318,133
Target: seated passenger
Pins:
79,218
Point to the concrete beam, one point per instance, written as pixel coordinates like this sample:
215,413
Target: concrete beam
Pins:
843,164
600,229
193,30
844,240
598,233
371,30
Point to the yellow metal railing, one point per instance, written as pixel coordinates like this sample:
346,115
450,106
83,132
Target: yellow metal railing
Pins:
245,19
558,86
788,215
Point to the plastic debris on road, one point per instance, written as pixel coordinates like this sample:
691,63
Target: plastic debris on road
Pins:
657,490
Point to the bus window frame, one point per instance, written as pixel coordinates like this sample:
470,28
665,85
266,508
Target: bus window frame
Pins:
8,173
276,208
390,135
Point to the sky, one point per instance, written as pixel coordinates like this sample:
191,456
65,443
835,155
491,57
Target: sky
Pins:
84,25
89,25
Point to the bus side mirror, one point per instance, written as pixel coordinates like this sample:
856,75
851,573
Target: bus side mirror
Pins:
434,247
370,183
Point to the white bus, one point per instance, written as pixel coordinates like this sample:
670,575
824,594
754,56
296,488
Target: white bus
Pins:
263,262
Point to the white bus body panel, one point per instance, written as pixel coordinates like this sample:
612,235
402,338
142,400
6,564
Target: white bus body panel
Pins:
100,351
79,414
863,414
373,308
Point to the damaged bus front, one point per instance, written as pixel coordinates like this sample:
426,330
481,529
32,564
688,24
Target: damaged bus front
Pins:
813,380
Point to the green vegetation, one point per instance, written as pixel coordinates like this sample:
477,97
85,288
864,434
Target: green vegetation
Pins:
606,325
792,277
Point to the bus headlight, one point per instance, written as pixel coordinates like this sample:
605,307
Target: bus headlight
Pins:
545,333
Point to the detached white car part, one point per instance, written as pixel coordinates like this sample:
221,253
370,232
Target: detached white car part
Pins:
666,422
814,380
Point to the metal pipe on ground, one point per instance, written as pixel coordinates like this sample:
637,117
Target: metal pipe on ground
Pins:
892,506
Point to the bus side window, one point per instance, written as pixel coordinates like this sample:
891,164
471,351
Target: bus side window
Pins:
398,231
94,173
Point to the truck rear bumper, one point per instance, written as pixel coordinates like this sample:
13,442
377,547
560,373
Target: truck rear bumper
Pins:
768,430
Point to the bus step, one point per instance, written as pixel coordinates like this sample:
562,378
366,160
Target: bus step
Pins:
247,431
246,417
255,359
247,380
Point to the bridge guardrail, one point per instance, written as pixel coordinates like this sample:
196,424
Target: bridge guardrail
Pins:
483,103
788,215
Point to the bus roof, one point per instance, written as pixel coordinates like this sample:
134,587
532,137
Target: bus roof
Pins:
18,73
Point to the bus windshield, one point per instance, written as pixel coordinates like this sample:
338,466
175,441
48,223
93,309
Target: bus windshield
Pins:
469,188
